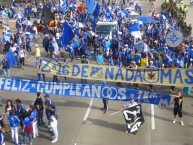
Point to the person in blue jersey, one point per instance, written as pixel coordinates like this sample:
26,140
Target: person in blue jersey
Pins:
47,104
6,67
33,117
27,130
14,122
151,66
111,63
105,99
28,44
38,64
100,58
54,59
46,43
190,57
20,111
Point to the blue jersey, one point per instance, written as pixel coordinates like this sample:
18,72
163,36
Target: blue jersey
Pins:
55,59
28,41
33,115
20,109
111,62
48,102
151,67
13,121
38,63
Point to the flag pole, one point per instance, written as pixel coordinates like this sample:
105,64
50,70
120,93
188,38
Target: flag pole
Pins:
115,113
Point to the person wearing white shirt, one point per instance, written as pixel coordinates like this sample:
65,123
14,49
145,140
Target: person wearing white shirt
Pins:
22,54
129,104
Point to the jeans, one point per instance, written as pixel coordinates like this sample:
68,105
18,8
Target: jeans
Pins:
6,72
39,77
14,134
48,115
28,48
40,117
55,132
25,136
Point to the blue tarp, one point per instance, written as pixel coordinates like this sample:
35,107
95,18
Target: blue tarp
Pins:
146,19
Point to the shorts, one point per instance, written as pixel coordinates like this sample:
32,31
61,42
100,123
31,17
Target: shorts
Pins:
178,111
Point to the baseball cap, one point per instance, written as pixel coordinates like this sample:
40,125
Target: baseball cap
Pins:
132,98
36,45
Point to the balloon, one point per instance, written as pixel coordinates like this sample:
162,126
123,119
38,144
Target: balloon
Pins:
27,121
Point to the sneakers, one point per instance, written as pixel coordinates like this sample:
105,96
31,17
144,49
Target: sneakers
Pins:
182,123
126,131
53,141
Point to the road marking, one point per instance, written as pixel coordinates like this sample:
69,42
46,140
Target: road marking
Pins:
88,111
30,58
152,117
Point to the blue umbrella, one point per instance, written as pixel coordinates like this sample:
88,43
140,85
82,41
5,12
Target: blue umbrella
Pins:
27,22
18,16
121,13
146,19
31,35
3,14
79,25
6,37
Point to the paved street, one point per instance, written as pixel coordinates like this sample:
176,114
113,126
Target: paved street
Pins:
100,128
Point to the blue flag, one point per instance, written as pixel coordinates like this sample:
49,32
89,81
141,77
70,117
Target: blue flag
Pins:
90,5
67,35
96,11
64,5
11,58
108,14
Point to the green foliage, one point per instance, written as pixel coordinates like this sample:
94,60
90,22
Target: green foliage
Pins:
172,9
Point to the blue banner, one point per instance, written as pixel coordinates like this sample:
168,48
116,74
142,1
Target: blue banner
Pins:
82,90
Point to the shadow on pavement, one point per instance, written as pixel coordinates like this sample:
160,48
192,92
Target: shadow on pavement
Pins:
115,126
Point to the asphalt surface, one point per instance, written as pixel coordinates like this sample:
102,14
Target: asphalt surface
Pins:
100,128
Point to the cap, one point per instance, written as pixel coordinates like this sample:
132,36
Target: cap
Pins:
46,95
36,45
132,98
